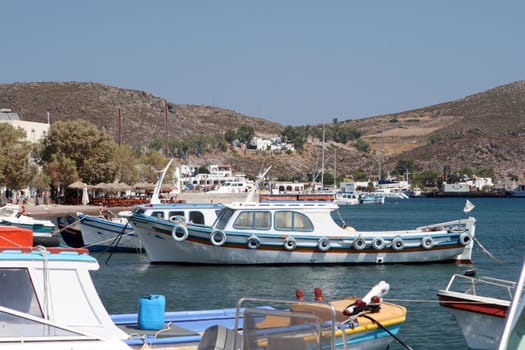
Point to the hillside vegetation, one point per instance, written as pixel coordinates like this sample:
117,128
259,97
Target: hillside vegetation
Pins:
484,130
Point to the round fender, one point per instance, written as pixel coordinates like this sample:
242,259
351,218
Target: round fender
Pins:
397,243
427,242
253,242
323,244
359,243
378,243
465,238
179,232
218,238
290,243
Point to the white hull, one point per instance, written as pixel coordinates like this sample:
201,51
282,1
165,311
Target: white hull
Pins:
100,234
165,242
479,305
479,330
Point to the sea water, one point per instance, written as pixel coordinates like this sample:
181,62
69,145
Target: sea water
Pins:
500,230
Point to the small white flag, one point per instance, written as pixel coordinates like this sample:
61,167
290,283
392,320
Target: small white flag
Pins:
468,206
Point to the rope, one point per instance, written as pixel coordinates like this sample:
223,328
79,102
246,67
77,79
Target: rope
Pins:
48,307
485,250
406,346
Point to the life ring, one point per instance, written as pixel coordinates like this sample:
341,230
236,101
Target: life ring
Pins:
179,232
397,243
253,242
378,243
465,238
359,243
323,244
177,218
427,242
290,243
218,238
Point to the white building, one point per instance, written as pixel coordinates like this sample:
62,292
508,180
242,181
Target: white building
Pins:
35,132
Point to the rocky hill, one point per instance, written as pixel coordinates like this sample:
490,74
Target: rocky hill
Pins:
485,130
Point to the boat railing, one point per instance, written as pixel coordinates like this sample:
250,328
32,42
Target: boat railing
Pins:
482,286
288,324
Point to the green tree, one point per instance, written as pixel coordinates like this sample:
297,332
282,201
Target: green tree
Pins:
126,161
360,175
149,166
15,161
230,136
406,165
62,171
92,150
297,136
245,133
362,146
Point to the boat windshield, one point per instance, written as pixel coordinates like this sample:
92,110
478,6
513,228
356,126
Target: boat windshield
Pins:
17,291
336,216
223,218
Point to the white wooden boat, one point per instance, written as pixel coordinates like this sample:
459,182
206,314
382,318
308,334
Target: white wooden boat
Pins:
371,198
480,306
48,301
299,233
346,198
15,215
116,233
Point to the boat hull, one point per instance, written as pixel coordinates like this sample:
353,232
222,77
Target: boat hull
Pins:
198,248
99,234
480,323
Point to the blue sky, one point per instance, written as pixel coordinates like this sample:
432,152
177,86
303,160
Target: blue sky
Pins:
292,62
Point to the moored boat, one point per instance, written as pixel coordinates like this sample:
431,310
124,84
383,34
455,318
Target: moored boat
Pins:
48,301
299,233
15,215
117,233
480,306
346,198
70,231
371,198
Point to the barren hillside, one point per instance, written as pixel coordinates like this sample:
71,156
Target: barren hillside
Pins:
484,130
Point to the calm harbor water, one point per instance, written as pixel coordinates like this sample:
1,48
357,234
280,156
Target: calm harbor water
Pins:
500,229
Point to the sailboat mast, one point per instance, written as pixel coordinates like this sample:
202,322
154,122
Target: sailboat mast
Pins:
381,154
322,162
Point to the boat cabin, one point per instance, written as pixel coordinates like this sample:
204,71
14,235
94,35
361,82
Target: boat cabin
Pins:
203,214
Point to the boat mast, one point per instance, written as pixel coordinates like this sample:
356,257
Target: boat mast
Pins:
381,154
322,162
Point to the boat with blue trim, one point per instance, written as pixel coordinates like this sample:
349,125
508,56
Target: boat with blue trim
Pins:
16,215
298,233
114,232
48,301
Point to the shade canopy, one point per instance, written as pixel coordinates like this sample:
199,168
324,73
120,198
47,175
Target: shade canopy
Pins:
77,185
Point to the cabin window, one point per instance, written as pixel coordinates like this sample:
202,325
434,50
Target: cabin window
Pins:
290,220
158,214
197,217
17,292
259,220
